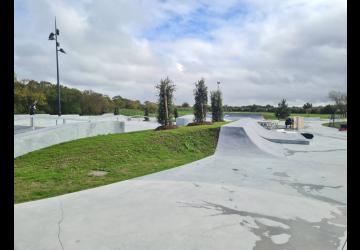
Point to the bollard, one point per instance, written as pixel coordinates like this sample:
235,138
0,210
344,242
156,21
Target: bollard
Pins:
32,124
64,121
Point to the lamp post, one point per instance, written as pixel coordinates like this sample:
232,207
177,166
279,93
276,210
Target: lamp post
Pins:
53,36
218,83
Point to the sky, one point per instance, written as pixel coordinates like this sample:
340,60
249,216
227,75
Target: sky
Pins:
259,50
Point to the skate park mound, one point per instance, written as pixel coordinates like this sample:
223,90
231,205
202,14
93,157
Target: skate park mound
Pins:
65,167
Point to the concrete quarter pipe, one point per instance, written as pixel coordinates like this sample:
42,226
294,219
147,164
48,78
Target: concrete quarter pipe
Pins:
251,194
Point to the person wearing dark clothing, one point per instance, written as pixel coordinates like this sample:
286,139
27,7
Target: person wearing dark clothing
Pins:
33,108
288,122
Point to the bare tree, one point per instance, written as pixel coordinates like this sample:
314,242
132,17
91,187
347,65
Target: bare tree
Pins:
340,99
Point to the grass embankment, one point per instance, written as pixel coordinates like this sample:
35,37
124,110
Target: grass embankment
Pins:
337,124
65,167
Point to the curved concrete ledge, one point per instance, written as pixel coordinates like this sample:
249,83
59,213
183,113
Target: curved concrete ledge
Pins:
37,139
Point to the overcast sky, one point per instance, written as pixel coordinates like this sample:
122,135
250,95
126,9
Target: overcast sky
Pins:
260,50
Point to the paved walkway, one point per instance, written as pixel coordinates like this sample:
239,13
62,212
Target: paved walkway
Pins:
251,194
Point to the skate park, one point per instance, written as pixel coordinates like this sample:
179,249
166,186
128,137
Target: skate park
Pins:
261,189
43,130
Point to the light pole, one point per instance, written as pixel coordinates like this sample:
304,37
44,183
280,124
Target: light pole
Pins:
218,83
53,36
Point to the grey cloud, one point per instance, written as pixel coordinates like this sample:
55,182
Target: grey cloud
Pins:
282,49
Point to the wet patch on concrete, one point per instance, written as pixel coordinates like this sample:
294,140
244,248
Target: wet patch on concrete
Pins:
300,234
97,173
281,174
229,190
306,189
292,152
196,185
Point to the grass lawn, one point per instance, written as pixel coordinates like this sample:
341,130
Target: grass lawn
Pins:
65,167
337,124
133,112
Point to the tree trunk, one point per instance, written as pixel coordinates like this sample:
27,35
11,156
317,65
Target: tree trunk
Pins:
166,109
202,112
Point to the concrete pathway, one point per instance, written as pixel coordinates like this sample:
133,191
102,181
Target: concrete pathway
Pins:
251,194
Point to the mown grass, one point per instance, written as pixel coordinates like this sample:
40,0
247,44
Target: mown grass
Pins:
65,167
335,125
133,112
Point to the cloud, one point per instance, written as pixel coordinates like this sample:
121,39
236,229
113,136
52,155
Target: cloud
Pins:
260,51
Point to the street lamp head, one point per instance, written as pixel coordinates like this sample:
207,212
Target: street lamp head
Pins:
62,51
51,36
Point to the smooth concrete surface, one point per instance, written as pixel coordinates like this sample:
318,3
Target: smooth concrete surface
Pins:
251,194
38,139
236,116
28,139
184,120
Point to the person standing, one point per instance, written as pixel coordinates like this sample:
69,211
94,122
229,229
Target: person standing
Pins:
33,108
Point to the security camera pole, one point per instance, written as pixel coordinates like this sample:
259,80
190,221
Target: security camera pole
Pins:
51,37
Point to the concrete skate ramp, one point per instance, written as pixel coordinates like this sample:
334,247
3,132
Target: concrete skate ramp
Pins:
274,136
238,138
247,137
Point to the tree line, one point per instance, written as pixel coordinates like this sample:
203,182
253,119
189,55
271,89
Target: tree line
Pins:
73,101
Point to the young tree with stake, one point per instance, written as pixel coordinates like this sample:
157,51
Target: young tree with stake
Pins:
166,89
200,106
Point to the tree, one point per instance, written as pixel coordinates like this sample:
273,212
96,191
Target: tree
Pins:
328,109
118,102
340,100
166,89
146,114
176,115
282,110
152,107
307,107
185,105
200,106
216,106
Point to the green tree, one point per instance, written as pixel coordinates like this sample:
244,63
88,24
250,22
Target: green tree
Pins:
307,107
166,89
146,114
201,98
151,106
282,110
216,106
176,115
185,105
